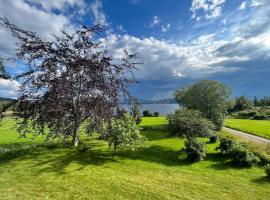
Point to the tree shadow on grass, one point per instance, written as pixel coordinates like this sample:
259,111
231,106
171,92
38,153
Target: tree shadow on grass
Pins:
157,154
262,180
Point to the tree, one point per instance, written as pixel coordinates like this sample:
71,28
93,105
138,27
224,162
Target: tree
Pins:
189,123
147,113
135,109
241,103
69,80
255,101
124,133
208,96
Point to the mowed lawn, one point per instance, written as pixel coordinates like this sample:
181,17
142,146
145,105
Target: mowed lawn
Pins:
156,170
256,127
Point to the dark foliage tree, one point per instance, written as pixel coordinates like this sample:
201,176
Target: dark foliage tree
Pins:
241,103
69,81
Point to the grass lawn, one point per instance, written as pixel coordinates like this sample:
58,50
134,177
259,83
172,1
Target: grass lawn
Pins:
256,127
156,170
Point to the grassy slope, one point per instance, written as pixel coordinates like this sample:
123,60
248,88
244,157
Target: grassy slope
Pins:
256,127
157,170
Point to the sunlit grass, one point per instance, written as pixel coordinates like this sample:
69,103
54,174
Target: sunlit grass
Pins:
256,127
156,170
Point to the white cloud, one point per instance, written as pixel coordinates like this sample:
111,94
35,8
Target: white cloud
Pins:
29,17
99,15
50,5
8,88
163,60
155,21
211,8
256,3
243,6
165,27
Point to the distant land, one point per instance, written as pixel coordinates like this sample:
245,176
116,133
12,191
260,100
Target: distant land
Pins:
6,99
157,101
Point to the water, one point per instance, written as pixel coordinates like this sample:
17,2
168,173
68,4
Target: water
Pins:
163,109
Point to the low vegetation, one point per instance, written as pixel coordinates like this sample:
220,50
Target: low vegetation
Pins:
158,169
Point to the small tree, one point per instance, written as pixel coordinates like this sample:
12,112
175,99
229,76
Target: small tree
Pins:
124,133
189,123
69,80
208,96
156,114
135,109
147,113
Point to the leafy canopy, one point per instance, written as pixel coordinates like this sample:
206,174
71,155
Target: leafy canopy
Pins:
189,123
69,80
208,96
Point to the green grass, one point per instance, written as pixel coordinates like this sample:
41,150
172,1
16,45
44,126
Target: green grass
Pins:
156,170
256,127
153,121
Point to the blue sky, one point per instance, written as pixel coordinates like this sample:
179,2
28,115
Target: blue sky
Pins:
180,41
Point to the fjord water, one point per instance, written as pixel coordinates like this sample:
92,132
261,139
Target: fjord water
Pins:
163,109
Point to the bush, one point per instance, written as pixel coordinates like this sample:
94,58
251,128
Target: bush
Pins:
267,170
195,150
243,156
147,113
226,145
156,114
213,138
260,116
189,123
124,133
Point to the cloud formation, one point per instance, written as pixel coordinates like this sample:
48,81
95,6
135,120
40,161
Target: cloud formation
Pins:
211,8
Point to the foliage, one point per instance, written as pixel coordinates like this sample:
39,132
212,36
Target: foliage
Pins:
267,170
189,123
135,109
68,80
213,138
226,145
65,173
256,113
241,103
208,96
195,150
147,113
124,133
242,156
156,114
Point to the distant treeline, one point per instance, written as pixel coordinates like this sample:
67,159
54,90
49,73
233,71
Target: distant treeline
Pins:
158,101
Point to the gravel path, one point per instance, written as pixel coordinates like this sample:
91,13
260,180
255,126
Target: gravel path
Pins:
247,135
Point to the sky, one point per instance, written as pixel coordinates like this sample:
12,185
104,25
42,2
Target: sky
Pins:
179,41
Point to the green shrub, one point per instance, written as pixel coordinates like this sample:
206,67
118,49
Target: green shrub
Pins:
156,114
264,160
213,138
242,156
195,150
226,145
147,113
189,123
267,170
260,117
124,133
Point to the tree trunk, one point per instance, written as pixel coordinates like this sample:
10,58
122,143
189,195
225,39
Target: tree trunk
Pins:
75,140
